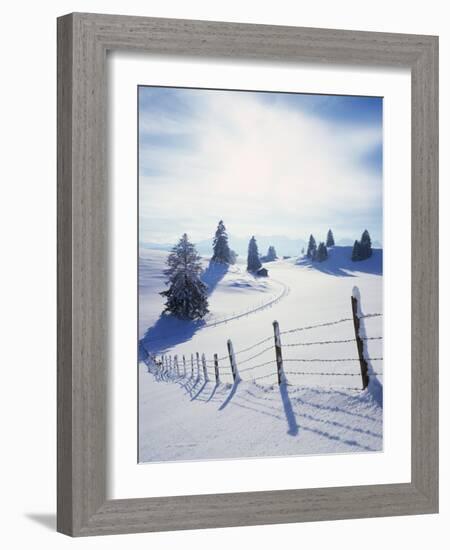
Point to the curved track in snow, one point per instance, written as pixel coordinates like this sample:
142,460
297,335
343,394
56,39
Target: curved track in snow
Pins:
285,290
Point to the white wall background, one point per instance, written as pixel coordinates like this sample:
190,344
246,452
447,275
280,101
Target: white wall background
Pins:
28,269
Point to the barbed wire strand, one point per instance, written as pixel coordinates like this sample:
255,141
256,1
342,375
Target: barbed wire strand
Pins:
301,373
329,360
326,342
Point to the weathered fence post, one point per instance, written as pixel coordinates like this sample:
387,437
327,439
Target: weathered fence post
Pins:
360,344
278,355
184,366
216,368
233,364
175,365
170,363
192,365
198,364
205,372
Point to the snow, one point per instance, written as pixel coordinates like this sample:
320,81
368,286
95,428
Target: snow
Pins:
186,419
322,405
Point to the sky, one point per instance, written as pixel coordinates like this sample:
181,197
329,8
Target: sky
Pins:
266,163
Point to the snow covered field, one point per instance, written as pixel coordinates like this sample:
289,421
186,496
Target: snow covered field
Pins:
321,410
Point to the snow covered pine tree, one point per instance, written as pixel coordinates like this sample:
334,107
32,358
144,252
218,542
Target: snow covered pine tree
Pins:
330,238
271,254
366,245
253,261
221,250
356,251
186,296
312,248
322,253
362,249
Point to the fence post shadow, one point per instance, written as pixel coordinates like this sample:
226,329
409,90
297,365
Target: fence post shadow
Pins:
288,410
200,390
230,395
216,385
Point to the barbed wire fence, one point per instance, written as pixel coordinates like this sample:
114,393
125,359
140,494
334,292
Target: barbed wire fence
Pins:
235,363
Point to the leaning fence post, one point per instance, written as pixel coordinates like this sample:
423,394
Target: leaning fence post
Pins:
192,365
205,372
184,365
198,364
233,364
216,368
360,344
278,355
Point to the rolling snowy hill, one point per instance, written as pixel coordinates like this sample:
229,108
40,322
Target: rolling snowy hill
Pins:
321,409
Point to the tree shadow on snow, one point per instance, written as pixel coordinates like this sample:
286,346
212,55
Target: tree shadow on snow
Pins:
167,332
340,264
213,274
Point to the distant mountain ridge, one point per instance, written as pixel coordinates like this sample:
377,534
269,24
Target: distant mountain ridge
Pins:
284,246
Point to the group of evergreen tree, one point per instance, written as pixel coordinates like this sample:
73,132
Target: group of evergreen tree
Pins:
319,253
362,249
271,255
187,295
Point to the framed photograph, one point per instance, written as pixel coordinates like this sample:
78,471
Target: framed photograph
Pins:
247,274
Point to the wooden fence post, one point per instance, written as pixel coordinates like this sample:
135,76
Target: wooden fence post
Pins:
184,366
360,344
198,365
170,363
205,372
175,365
278,355
192,365
233,364
216,368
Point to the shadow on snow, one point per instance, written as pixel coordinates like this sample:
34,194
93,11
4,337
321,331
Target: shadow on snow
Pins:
169,331
340,264
226,394
213,274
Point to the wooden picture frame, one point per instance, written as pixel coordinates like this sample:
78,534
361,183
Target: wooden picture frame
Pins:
83,41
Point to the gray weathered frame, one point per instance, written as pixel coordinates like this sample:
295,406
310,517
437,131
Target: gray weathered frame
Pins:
83,40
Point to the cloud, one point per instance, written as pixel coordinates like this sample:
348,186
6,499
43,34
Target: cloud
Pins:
265,168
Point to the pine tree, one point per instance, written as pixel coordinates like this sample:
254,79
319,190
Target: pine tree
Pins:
322,253
186,296
330,238
253,261
356,252
221,250
312,248
362,249
366,245
271,254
